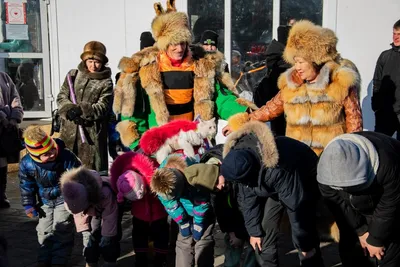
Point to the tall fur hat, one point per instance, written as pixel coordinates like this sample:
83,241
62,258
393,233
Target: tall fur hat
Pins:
94,50
311,42
170,26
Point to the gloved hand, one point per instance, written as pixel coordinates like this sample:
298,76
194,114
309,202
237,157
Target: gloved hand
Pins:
105,241
198,230
185,229
31,211
88,239
74,113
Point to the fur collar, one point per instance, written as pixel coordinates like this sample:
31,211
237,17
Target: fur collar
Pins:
266,142
100,75
344,73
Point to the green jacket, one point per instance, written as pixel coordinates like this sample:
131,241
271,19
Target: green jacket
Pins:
139,94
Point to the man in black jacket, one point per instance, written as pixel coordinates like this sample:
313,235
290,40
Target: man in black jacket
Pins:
359,177
386,90
273,174
268,87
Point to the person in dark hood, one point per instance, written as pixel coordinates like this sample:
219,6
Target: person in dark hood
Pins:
273,174
386,89
359,178
268,87
146,40
209,40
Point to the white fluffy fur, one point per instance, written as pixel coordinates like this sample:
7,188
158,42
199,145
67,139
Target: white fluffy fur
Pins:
186,140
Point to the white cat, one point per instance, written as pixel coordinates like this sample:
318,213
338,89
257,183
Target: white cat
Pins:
185,140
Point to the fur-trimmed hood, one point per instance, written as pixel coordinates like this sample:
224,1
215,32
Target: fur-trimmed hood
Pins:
265,142
135,162
91,180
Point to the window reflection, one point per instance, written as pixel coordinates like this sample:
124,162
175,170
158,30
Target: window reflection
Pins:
207,15
297,10
251,35
27,75
15,42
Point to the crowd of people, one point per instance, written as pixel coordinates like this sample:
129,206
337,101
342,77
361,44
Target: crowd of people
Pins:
158,123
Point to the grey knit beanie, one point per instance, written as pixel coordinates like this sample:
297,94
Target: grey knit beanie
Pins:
348,160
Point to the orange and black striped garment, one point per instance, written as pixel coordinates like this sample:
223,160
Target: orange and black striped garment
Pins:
178,85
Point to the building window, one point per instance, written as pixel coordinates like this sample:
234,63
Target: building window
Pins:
291,10
207,15
24,53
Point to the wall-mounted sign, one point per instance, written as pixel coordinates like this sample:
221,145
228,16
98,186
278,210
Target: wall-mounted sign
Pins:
15,13
17,32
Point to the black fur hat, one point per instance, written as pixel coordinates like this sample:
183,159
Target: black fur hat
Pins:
146,40
209,38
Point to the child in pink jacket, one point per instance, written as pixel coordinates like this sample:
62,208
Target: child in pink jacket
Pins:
131,174
91,199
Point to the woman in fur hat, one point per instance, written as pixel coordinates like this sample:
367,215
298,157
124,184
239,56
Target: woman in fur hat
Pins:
11,115
93,90
319,94
39,173
91,199
168,81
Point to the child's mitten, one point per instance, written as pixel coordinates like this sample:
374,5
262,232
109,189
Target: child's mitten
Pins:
31,211
185,229
198,230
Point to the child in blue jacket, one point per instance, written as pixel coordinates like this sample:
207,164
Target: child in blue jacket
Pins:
39,173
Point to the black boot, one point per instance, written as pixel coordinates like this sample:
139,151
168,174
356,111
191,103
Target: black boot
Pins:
4,203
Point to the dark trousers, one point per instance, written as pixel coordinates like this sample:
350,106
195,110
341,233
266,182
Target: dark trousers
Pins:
91,243
158,231
302,233
386,122
3,185
351,253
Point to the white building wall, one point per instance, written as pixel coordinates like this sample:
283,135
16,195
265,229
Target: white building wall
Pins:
364,29
117,23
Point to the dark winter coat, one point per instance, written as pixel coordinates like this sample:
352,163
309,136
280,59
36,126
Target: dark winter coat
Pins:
375,209
10,108
45,178
286,172
268,87
224,202
93,95
386,90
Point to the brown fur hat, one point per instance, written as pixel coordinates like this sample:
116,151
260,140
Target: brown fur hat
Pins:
94,50
311,42
170,26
